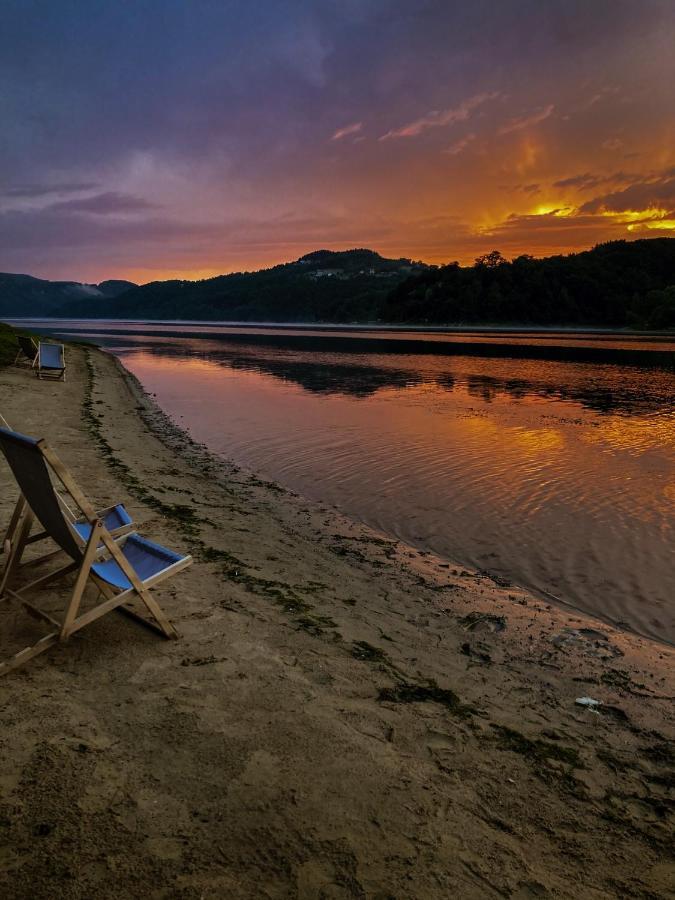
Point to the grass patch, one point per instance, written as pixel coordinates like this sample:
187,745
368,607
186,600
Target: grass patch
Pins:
367,653
315,625
406,692
208,554
184,516
613,762
662,753
534,749
9,345
617,678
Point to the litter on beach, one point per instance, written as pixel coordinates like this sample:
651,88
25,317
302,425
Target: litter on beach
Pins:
588,702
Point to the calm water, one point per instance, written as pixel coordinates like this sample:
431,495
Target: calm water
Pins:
556,473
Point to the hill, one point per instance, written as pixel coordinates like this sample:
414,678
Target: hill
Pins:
324,286
23,295
617,284
114,287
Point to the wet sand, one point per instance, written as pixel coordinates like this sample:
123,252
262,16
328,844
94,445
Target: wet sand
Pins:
343,716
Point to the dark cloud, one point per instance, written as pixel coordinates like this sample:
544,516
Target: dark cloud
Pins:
583,182
60,229
588,181
656,194
108,203
44,190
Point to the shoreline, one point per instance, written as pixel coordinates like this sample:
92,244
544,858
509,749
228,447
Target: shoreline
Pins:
394,328
322,667
554,346
161,423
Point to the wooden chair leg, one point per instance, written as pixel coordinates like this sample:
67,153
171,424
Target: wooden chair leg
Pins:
19,510
157,613
24,655
81,580
17,547
143,593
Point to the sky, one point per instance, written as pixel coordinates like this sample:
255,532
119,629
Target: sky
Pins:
152,139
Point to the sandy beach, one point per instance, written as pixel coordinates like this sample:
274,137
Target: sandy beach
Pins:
343,716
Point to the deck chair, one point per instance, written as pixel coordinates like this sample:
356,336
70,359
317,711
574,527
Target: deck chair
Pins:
122,569
28,349
115,518
51,362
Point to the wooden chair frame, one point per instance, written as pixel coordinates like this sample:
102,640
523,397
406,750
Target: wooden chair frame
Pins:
100,542
68,512
22,352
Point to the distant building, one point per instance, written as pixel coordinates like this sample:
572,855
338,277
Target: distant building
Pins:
326,273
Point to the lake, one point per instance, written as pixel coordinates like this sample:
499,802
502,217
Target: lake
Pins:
545,459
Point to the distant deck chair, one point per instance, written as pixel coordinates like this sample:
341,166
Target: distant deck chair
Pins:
115,518
51,362
122,569
28,349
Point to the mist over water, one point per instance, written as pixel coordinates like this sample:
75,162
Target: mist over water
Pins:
557,474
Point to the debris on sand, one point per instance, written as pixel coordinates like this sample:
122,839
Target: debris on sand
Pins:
588,640
476,621
589,703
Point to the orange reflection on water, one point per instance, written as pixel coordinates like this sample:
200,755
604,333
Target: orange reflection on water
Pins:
558,476
634,435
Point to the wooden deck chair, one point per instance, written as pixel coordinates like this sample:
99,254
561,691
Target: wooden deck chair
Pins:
115,518
122,569
28,350
51,361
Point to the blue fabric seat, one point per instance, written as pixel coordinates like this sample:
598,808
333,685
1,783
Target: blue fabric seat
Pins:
146,559
51,356
51,361
117,517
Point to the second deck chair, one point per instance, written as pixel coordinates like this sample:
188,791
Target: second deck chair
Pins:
51,361
121,569
115,518
28,350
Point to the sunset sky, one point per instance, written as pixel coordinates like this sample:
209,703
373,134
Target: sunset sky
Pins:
185,138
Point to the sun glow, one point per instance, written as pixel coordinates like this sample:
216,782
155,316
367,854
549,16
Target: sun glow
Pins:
665,224
652,218
552,209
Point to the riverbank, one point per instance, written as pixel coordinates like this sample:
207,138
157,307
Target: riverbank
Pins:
342,717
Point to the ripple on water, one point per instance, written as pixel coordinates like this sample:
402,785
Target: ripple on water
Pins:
558,476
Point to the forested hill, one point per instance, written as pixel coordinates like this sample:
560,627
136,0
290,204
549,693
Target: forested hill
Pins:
321,286
618,284
23,295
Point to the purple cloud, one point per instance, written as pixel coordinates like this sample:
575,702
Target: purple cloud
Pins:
520,122
441,118
348,130
44,190
108,203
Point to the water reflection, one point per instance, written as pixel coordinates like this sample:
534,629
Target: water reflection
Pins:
555,474
605,388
